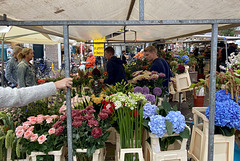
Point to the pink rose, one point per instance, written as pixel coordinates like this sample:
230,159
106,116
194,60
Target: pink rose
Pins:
33,121
31,118
42,138
27,122
51,131
34,137
46,117
39,120
25,126
30,128
77,123
18,128
63,109
20,133
49,120
28,134
40,115
54,116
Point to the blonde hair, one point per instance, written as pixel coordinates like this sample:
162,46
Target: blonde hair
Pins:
17,49
150,49
23,53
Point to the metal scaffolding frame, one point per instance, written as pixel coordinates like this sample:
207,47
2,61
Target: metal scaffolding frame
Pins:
140,22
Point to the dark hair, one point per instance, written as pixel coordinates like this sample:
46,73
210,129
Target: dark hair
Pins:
109,50
123,51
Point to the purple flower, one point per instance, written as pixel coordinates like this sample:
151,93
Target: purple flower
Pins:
150,98
162,75
145,90
157,91
138,90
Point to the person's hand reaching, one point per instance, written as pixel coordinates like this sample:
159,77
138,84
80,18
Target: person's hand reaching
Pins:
64,83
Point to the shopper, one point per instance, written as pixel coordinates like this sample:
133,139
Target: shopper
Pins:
26,74
21,96
123,57
11,68
90,61
159,65
115,69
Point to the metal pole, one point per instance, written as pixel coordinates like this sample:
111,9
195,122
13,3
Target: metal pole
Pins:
141,10
135,36
2,76
226,53
124,34
212,91
68,96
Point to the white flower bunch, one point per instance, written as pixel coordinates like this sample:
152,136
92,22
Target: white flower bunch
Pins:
131,100
233,60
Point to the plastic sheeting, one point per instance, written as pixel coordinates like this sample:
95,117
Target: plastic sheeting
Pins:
117,10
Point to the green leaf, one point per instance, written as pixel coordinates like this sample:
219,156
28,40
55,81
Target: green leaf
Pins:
169,127
192,85
237,80
185,133
166,106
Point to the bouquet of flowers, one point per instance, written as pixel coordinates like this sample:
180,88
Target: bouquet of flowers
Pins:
128,115
165,119
227,113
89,128
37,134
148,79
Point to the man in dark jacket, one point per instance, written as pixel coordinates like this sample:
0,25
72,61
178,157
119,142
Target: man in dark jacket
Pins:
159,65
115,69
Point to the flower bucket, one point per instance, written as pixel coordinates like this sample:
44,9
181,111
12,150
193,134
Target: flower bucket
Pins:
198,101
121,152
223,145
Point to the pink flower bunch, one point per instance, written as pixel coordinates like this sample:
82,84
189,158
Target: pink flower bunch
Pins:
96,132
26,130
147,75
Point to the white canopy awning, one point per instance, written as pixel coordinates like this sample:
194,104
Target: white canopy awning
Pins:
118,10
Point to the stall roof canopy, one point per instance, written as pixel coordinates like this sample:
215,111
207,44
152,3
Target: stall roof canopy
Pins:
121,10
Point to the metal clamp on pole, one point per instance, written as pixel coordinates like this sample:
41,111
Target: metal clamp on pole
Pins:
68,96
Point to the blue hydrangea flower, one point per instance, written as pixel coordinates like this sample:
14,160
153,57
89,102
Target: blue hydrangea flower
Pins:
220,96
138,90
157,125
145,90
149,110
185,58
150,98
178,121
157,91
227,113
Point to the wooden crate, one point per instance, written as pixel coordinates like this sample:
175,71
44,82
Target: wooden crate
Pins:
223,146
58,155
183,80
176,151
98,155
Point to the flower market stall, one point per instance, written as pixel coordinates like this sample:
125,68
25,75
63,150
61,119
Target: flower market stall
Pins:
92,119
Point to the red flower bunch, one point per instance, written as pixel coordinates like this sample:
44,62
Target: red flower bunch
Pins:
108,105
96,132
96,72
41,81
180,69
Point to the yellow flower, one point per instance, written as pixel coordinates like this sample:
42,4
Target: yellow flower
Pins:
92,96
97,100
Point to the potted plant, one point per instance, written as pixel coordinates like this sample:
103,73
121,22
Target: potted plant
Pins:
199,91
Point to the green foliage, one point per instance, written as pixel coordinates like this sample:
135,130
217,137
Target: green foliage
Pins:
228,32
119,87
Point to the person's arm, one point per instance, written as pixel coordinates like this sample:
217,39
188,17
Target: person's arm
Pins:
8,73
18,97
92,60
110,72
21,96
21,75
